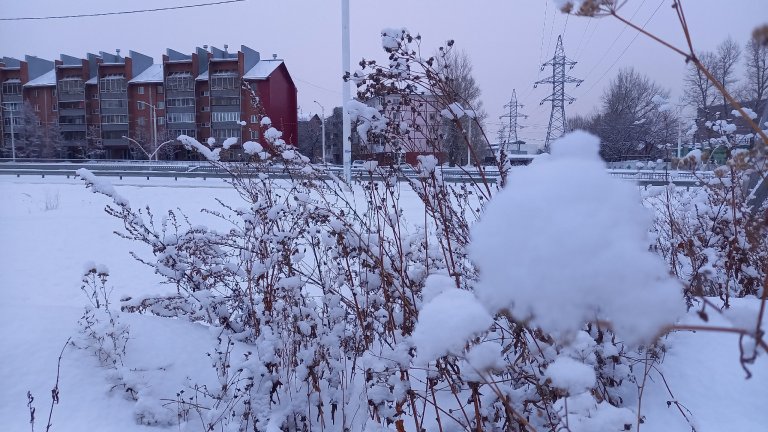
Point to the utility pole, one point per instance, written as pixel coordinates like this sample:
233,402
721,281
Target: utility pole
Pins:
322,111
346,120
154,127
512,117
558,97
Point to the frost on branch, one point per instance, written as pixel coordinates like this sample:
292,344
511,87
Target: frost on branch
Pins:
101,186
566,244
191,143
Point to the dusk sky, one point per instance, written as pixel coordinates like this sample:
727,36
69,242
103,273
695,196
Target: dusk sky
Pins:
507,40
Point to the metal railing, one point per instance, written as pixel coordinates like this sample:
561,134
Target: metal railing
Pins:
203,169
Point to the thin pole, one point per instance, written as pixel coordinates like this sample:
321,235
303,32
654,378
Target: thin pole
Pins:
154,129
469,146
13,139
322,113
346,121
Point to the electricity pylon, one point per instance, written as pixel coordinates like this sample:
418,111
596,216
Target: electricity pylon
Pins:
558,97
513,124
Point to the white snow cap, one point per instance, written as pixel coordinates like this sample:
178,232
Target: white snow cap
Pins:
266,121
571,245
229,142
251,147
571,375
390,38
749,112
448,321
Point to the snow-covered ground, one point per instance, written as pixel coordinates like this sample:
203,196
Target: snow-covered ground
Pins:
49,228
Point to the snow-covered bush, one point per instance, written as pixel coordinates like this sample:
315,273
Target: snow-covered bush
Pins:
531,306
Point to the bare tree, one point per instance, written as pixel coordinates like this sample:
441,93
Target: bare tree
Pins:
699,92
467,93
29,135
756,76
633,122
727,58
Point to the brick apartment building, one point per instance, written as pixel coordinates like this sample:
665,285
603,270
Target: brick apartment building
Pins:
86,106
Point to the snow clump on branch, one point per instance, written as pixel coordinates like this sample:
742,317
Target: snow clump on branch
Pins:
580,250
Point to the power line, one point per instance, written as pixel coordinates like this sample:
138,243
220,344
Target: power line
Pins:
616,39
121,12
625,49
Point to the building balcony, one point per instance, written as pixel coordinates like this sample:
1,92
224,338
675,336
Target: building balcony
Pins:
72,127
235,92
72,112
180,109
122,110
114,142
66,97
12,97
115,127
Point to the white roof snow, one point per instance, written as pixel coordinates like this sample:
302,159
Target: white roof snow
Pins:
202,77
152,74
263,69
45,80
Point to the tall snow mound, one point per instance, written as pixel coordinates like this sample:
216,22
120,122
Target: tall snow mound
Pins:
565,243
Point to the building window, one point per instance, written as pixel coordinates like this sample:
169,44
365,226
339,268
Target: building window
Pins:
71,85
95,96
95,112
141,90
112,83
204,93
225,101
160,89
226,116
254,119
161,120
180,81
54,108
161,105
12,87
114,119
37,108
181,117
254,134
224,80
181,102
205,109
114,103
187,132
140,105
222,134
141,121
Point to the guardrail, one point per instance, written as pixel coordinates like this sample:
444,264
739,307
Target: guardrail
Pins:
195,169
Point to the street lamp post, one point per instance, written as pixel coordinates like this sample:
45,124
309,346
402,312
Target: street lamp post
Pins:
154,127
13,135
322,111
149,155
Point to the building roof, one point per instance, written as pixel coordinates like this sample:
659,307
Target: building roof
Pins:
202,77
153,74
263,69
45,80
92,81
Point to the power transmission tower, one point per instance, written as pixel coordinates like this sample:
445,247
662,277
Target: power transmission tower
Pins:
558,97
513,124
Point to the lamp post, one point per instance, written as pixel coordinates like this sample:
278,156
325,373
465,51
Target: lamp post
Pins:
149,155
154,127
322,113
13,135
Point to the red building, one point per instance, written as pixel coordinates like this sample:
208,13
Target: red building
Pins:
117,107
